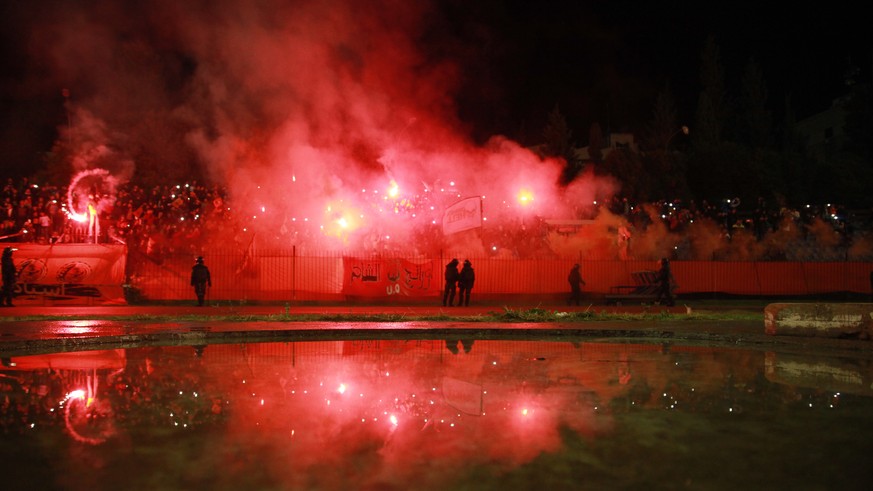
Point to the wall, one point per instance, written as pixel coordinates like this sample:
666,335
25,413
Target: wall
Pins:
284,275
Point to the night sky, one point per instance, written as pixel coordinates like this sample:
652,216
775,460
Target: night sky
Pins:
605,61
510,62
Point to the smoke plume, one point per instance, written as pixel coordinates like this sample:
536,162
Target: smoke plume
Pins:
331,124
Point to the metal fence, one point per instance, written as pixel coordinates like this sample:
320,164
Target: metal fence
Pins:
286,275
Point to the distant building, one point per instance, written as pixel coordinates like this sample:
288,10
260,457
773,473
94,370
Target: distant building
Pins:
615,141
824,131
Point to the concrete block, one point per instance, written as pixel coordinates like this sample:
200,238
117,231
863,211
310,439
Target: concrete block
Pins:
825,320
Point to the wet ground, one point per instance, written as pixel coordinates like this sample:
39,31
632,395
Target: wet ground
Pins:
434,414
93,327
260,397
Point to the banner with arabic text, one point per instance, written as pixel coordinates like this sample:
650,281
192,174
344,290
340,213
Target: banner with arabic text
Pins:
389,277
69,273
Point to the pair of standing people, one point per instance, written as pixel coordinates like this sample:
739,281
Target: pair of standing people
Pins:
461,281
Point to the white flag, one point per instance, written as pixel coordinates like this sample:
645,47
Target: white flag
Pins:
463,215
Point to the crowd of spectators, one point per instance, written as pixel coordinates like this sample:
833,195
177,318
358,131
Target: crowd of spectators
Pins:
164,216
184,217
732,216
760,231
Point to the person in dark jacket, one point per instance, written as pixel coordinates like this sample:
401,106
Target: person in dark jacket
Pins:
7,266
665,283
465,283
576,282
200,279
451,283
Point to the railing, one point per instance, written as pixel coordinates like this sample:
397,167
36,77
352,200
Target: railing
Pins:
286,275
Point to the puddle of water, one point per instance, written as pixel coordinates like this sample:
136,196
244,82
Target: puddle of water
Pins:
434,414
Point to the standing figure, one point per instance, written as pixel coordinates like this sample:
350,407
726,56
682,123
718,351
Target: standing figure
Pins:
576,282
7,266
200,279
465,283
93,219
451,283
665,282
624,237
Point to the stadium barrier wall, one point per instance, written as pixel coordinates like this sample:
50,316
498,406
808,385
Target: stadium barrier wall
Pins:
286,275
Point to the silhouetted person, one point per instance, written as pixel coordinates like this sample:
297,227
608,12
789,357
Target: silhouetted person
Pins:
452,345
7,266
665,283
451,283
200,279
576,282
465,283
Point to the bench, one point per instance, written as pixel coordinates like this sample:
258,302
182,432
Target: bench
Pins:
644,289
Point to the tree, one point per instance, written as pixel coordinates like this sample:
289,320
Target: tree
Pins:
852,166
791,140
715,164
595,143
755,121
557,135
665,166
859,123
559,143
711,106
627,167
664,125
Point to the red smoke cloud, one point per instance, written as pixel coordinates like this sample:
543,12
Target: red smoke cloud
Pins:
308,112
329,122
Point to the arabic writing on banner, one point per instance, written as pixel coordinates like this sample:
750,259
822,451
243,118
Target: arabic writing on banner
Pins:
387,277
463,215
70,272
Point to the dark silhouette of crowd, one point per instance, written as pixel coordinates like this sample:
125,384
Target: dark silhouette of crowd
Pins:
149,220
732,216
182,218
777,231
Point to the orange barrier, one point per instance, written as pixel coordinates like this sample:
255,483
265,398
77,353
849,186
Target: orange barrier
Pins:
287,276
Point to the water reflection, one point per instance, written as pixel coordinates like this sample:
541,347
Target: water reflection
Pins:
425,414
